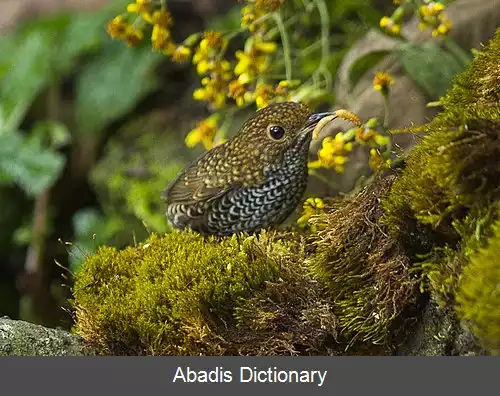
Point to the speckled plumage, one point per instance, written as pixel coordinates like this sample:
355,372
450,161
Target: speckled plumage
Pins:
250,182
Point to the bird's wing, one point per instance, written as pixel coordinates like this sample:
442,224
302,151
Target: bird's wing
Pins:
192,186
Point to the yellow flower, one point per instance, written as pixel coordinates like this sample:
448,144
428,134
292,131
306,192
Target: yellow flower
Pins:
263,95
117,27
206,56
250,14
250,66
269,5
333,153
160,37
181,54
214,89
170,49
431,9
266,47
443,28
365,135
204,133
237,91
377,160
162,18
133,36
310,207
213,40
390,26
140,7
382,81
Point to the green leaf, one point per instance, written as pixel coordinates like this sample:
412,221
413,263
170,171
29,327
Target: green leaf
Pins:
430,66
84,33
40,51
113,84
27,163
23,73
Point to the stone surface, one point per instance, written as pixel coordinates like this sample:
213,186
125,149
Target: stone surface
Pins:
18,338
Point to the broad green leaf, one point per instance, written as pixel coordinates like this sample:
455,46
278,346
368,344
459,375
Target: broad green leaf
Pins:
85,33
40,51
430,66
113,84
28,163
23,74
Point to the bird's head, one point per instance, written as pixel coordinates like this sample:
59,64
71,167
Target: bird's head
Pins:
272,131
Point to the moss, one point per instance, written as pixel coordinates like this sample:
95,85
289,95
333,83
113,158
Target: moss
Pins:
441,269
476,92
366,271
451,171
182,294
478,296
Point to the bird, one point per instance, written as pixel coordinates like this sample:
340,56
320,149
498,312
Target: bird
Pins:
253,181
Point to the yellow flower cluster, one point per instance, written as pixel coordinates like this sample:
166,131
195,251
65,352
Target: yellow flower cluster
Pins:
368,135
310,207
161,22
390,26
253,15
209,62
252,63
204,133
119,28
333,153
432,15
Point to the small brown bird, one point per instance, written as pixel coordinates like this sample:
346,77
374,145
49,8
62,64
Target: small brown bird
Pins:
253,181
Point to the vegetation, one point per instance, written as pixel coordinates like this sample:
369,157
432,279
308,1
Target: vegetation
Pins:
92,131
364,256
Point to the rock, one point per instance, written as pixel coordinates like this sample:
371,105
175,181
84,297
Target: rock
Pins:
18,338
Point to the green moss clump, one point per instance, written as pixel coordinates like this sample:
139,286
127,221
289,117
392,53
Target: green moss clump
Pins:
168,295
478,297
476,92
441,269
365,270
451,171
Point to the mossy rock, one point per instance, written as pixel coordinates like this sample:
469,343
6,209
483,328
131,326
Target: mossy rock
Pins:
478,295
366,270
444,203
182,294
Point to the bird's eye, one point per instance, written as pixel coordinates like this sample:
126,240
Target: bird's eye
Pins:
276,132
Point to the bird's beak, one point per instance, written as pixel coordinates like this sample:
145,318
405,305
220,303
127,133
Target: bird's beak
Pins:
317,121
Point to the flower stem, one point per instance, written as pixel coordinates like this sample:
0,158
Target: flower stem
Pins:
325,43
386,110
286,45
